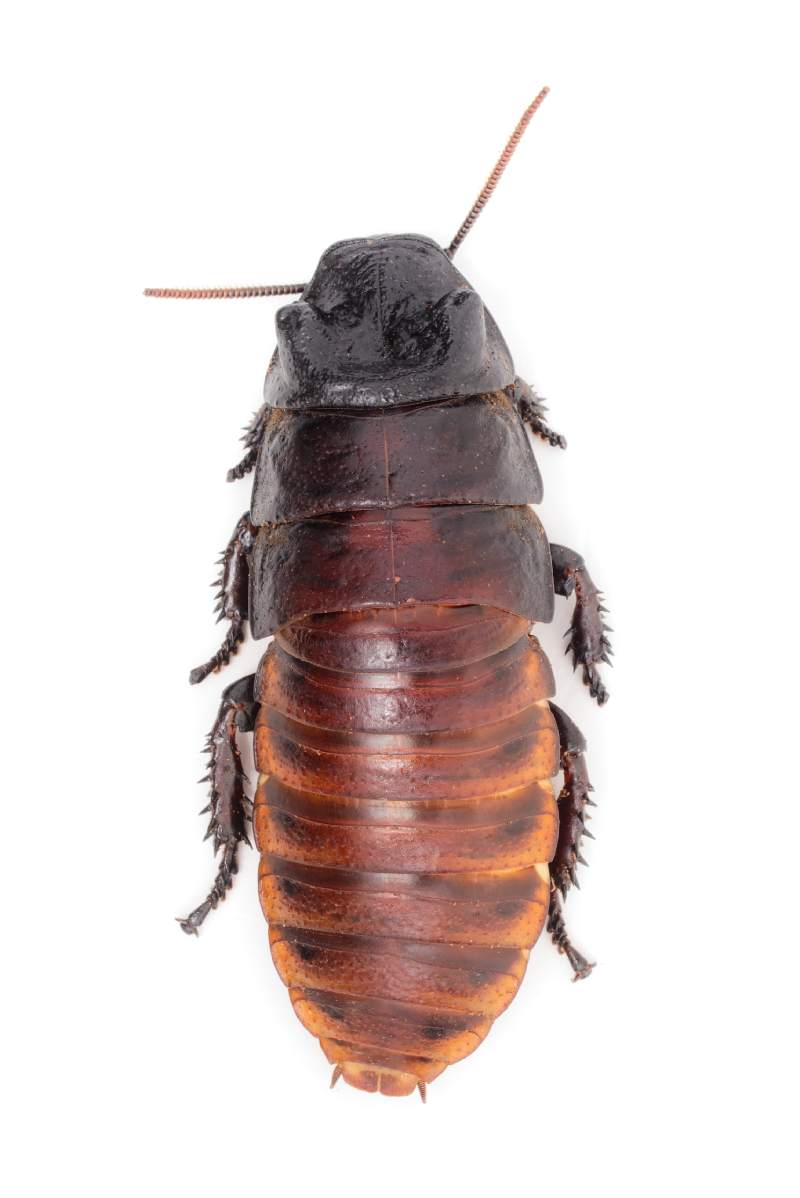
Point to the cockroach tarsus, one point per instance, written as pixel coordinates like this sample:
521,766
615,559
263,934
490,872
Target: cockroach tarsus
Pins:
412,847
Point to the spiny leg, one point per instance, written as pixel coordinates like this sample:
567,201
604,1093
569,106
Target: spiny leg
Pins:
232,596
572,816
253,436
532,410
229,807
588,641
558,934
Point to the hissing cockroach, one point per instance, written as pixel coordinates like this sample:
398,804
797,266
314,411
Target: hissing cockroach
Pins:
411,845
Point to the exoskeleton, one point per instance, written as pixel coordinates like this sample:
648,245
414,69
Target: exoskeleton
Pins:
412,847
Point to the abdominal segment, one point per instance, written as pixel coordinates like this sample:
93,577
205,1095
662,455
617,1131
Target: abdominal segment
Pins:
405,818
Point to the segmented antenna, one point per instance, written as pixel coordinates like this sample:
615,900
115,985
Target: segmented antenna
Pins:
223,292
296,288
494,178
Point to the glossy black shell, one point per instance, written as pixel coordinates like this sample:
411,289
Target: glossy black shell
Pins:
385,321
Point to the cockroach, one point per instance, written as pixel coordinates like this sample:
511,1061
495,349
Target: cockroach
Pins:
412,847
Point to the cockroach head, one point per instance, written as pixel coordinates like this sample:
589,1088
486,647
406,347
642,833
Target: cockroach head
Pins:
385,321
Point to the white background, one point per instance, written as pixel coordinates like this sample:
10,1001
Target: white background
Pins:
641,256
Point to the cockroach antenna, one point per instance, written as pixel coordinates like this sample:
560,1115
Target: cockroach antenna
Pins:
297,288
494,178
223,292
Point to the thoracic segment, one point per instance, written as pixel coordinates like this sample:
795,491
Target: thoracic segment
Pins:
405,818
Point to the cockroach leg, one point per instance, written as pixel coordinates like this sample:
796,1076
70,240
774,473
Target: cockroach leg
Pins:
558,933
243,468
253,436
572,816
588,642
572,803
229,807
232,596
532,410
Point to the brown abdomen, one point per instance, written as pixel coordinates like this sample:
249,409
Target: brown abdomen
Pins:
405,818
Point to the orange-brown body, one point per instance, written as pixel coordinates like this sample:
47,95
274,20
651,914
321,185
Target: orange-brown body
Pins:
405,819
404,737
